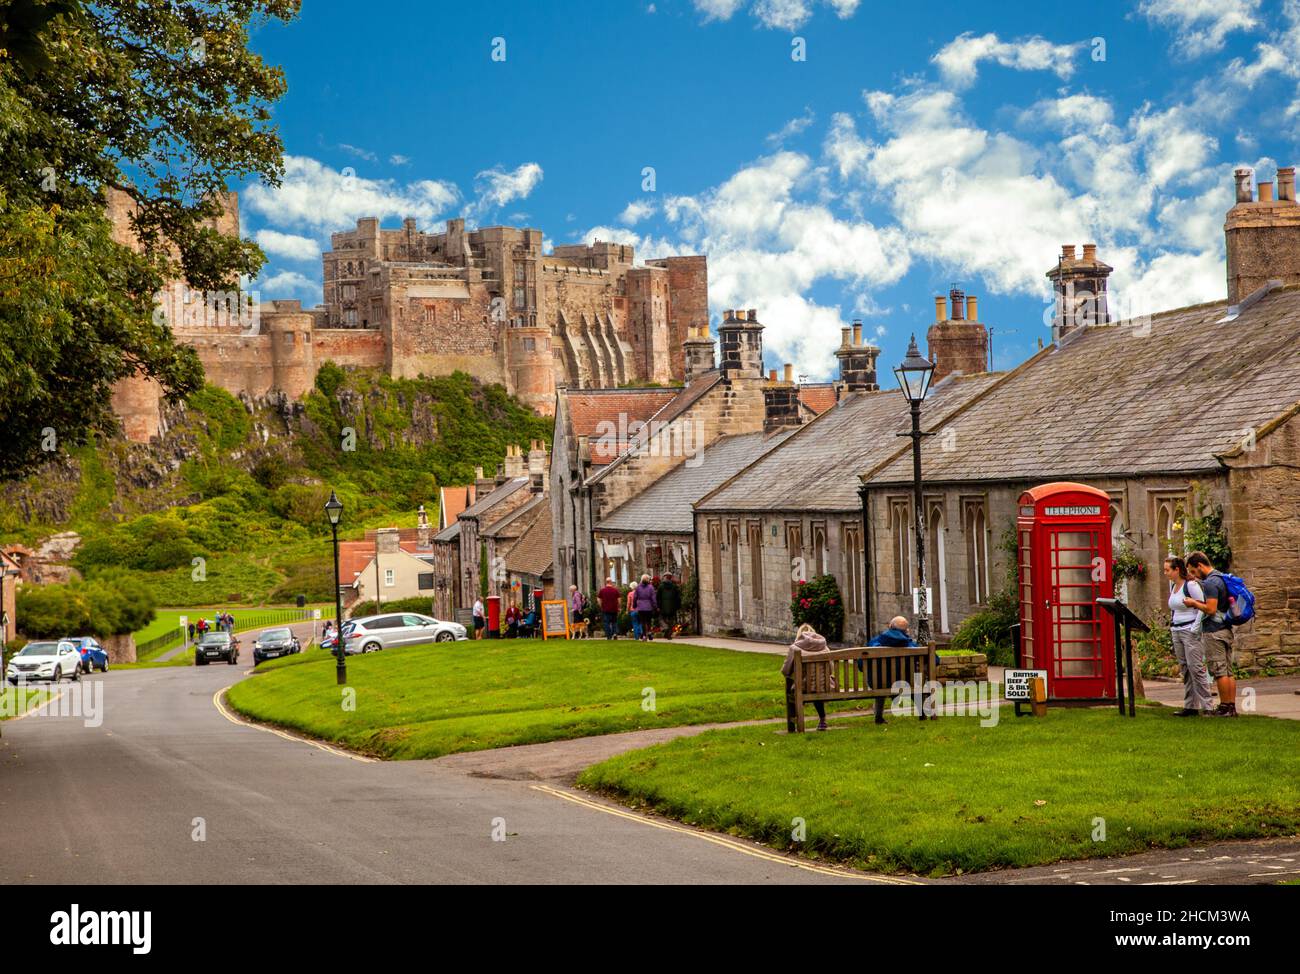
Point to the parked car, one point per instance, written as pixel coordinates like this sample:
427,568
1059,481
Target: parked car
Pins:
275,642
49,659
369,634
216,646
93,656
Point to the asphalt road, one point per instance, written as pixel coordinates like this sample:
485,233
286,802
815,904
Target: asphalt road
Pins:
121,803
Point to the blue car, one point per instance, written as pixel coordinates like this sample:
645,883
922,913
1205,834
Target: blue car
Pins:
93,656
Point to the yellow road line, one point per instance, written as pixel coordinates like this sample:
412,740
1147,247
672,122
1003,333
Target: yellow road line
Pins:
221,709
724,841
32,708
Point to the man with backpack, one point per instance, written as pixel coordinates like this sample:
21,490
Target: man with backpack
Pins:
1216,629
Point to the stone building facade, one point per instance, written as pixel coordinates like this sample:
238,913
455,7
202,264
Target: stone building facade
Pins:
488,302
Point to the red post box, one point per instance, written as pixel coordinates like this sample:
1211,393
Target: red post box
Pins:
494,617
1064,555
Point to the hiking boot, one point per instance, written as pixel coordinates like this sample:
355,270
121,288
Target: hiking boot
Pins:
821,725
1225,710
1187,712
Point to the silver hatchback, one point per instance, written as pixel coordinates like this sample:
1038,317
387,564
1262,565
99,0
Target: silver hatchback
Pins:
369,634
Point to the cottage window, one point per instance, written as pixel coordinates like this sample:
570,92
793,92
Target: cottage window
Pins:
794,548
756,559
715,555
900,521
975,526
852,570
390,577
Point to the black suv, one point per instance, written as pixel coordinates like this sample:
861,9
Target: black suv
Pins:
216,646
275,642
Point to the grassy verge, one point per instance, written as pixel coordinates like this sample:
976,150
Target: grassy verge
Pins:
16,701
948,796
425,701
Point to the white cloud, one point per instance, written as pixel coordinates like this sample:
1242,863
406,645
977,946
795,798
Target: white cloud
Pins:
959,59
288,282
636,211
359,152
315,196
1201,26
397,159
496,187
792,128
775,14
287,245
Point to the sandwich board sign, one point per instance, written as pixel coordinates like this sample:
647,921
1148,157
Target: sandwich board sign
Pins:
1019,684
555,619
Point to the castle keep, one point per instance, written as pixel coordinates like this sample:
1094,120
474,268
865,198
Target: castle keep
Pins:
488,302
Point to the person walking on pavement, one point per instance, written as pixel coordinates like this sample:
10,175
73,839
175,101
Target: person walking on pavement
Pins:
631,611
1185,634
1216,632
670,603
646,603
609,600
576,604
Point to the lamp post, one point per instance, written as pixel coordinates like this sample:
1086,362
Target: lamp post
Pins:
914,376
333,511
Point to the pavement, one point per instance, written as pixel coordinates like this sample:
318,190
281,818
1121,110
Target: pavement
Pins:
154,781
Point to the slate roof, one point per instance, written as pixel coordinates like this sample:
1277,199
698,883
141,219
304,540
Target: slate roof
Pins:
531,554
816,468
450,533
517,521
588,409
1163,395
489,501
665,506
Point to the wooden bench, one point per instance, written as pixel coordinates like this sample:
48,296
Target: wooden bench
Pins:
836,675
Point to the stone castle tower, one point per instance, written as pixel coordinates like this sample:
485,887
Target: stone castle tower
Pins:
488,302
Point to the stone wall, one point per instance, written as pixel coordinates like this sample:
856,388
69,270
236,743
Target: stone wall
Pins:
1264,531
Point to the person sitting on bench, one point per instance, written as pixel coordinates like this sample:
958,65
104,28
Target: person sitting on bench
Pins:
808,642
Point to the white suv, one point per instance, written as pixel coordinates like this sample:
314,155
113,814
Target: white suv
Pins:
372,633
45,660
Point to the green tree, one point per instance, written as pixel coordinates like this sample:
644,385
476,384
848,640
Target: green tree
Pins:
161,101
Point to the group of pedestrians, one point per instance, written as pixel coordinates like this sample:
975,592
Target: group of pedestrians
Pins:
222,622
1201,635
643,603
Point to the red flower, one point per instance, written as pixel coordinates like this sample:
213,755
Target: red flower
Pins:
802,582
832,602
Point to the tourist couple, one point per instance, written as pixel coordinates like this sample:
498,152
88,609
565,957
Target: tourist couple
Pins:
1202,636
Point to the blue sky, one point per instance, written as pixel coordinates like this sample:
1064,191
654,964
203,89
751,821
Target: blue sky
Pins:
913,145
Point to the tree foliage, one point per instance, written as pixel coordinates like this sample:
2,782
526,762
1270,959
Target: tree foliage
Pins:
161,101
106,606
819,603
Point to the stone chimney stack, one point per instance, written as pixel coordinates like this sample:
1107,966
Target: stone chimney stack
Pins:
514,461
482,485
1080,285
421,528
386,541
780,402
960,343
741,339
698,351
538,463
1263,236
857,361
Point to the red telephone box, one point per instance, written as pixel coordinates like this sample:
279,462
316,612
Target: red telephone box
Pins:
1063,541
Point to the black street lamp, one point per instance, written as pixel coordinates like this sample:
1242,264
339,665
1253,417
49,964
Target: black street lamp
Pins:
914,376
333,511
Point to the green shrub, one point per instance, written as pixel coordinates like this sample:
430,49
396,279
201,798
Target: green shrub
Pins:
989,630
420,604
104,607
820,604
1155,650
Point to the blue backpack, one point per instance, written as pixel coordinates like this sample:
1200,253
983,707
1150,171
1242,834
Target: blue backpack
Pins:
1241,601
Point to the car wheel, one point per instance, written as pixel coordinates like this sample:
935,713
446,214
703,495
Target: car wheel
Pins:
104,668
371,647
444,637
58,674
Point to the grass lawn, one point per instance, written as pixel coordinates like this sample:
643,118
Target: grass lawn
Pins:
16,701
425,701
939,797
